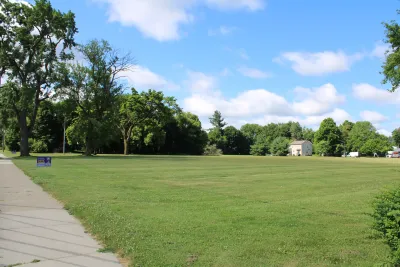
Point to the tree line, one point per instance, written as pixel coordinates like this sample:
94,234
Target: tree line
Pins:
44,91
330,139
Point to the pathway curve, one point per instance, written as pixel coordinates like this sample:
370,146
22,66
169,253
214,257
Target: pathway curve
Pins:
35,230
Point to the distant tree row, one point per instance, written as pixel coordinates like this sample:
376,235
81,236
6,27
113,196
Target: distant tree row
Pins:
275,138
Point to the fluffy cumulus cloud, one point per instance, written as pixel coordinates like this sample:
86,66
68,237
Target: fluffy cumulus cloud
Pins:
143,79
365,91
254,73
320,63
161,19
373,116
317,101
263,106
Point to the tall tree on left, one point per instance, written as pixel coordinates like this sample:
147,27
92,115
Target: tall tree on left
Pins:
34,39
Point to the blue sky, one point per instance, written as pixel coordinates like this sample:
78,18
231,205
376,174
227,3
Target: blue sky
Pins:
254,60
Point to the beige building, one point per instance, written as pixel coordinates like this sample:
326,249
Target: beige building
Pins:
300,148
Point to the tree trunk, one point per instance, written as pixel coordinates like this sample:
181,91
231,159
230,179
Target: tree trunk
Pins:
89,147
24,132
126,146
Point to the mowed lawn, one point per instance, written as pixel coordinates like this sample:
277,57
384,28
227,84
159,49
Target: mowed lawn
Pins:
225,211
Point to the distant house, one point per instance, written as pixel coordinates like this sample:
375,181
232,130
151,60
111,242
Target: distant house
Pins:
300,148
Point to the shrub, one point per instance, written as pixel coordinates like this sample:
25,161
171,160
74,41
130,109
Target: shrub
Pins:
38,146
212,150
387,220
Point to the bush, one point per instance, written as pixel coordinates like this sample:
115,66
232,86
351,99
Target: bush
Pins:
212,150
38,146
387,220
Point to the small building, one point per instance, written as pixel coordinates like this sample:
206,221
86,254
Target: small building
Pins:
301,148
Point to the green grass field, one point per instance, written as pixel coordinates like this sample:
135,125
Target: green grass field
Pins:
225,211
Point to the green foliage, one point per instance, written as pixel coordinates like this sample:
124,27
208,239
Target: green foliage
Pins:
379,144
30,52
12,136
212,150
280,146
150,110
329,132
390,67
345,129
216,137
360,133
260,147
236,142
95,88
386,220
296,132
308,134
251,131
217,120
38,146
322,148
396,136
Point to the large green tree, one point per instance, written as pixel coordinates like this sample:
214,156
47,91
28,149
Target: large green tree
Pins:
236,142
251,131
329,132
360,133
345,129
377,144
391,65
216,134
396,136
296,132
145,109
308,134
217,121
33,40
280,146
94,87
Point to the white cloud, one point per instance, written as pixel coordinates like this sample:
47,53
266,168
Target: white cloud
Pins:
338,115
199,82
373,116
251,5
318,100
263,106
143,79
365,91
320,63
254,73
222,30
161,19
385,132
380,50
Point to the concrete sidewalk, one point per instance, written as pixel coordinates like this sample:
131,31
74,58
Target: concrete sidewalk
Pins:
35,230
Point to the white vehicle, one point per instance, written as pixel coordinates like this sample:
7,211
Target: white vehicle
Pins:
396,153
354,154
389,154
